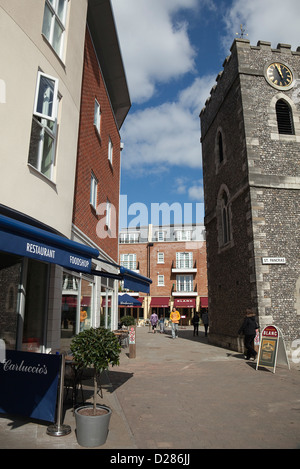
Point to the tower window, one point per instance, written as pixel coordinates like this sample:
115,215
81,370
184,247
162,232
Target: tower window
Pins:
220,144
284,118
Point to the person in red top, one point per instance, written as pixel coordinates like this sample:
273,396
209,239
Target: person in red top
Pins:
175,318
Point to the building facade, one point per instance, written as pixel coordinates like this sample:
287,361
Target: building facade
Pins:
45,251
174,258
250,136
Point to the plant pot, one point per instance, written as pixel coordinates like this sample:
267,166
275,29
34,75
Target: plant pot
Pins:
92,430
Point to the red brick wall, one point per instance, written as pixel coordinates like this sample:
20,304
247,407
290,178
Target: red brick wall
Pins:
169,249
93,157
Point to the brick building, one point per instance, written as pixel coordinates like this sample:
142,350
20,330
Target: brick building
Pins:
250,133
52,244
174,258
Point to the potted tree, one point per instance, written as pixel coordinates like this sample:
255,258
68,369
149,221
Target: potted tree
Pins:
97,348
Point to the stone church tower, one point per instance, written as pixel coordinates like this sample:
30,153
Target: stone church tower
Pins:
250,134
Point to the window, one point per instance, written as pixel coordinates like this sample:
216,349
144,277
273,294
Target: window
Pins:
220,148
44,125
184,260
54,22
108,213
160,280
284,118
225,219
160,257
110,151
183,235
129,238
97,116
160,236
128,261
184,283
93,192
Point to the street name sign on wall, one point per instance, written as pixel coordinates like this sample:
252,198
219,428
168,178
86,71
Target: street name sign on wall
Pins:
271,349
28,384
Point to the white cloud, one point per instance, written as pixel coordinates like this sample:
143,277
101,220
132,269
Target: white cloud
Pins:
169,134
275,21
154,48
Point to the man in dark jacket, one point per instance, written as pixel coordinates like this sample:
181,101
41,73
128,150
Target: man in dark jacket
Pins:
248,328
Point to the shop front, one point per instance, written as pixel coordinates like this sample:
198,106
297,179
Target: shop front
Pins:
186,307
32,261
161,306
51,287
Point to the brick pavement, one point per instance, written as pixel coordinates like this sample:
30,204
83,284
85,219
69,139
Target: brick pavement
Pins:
184,394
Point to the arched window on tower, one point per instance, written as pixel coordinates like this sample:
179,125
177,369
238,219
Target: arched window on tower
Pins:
220,147
284,118
225,219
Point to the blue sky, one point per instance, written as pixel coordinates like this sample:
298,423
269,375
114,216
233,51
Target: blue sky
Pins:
173,51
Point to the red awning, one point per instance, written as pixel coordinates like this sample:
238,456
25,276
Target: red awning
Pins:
160,302
185,303
204,302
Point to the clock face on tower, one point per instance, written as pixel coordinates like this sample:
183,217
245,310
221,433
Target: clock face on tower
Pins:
279,76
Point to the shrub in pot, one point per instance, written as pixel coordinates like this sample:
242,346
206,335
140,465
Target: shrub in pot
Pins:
127,320
97,348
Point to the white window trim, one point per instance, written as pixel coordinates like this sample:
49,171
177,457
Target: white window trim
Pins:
93,191
108,213
97,116
128,261
110,151
61,22
160,257
53,115
160,280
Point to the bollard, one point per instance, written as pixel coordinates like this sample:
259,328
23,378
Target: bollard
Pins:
132,344
59,429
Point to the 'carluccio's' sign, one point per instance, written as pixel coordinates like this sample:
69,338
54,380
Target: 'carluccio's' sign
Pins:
28,384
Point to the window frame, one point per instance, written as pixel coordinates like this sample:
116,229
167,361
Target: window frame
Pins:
52,6
128,261
53,115
36,155
97,116
160,257
185,281
110,150
93,190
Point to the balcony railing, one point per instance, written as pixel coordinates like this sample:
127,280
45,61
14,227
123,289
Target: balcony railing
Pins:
184,265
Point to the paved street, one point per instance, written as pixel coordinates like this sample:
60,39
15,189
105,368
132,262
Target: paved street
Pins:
184,394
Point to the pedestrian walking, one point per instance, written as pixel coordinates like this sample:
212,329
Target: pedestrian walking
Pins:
153,321
205,321
248,328
174,318
161,324
195,322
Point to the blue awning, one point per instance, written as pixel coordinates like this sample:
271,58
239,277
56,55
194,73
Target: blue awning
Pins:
132,280
22,239
127,300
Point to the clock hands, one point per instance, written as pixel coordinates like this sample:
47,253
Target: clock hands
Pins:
277,66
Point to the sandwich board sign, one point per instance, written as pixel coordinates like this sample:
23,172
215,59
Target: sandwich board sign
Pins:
272,349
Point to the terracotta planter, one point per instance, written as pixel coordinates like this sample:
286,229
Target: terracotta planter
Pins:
92,430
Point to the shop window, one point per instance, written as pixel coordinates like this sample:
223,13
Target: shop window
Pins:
35,306
10,279
76,308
